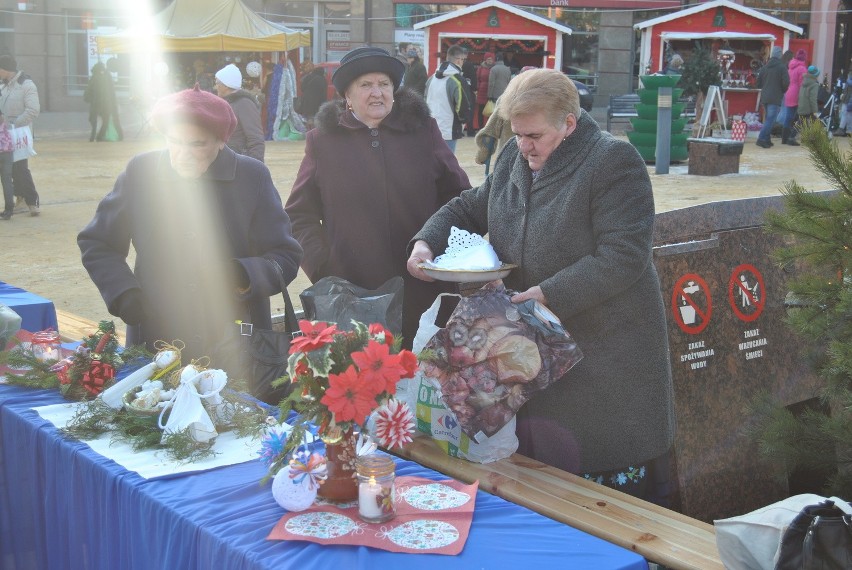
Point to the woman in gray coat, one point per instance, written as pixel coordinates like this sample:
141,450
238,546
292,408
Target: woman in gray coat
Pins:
573,208
211,237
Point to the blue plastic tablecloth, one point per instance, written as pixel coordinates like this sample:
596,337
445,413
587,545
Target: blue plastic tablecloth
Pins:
64,506
37,313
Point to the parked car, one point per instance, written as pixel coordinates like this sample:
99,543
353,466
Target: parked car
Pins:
586,97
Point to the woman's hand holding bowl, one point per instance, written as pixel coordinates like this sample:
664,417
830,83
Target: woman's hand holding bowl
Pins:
420,253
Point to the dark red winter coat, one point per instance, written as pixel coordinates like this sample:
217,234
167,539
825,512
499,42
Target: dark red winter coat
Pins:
482,74
362,193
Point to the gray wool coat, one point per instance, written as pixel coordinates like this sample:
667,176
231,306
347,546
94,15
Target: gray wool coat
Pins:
189,236
583,232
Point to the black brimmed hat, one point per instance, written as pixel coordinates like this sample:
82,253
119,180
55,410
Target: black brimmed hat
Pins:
367,60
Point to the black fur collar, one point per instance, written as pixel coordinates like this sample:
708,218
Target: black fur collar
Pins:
410,112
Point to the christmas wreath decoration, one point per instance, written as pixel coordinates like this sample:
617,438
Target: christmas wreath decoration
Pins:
81,376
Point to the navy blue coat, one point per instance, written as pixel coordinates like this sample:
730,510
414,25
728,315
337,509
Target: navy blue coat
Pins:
188,236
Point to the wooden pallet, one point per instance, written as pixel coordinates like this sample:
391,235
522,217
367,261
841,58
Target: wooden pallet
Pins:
73,327
658,534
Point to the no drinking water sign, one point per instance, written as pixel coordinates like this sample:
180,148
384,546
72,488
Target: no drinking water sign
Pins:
692,303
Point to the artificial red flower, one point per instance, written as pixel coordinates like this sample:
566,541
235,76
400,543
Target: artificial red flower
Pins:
302,369
314,336
378,367
376,330
349,397
394,424
408,361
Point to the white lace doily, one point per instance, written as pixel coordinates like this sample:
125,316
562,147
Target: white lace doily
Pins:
467,251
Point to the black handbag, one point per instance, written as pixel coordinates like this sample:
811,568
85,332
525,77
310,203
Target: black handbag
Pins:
259,356
819,538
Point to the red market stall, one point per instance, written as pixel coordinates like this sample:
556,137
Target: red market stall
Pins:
493,26
739,38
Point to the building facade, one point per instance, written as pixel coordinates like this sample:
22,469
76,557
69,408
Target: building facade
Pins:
53,39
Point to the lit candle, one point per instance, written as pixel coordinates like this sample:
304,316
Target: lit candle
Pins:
51,353
375,487
370,499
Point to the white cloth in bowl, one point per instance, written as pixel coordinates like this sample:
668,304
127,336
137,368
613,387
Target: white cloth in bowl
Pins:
467,251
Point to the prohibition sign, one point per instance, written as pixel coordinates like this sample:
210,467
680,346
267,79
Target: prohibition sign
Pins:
689,314
746,292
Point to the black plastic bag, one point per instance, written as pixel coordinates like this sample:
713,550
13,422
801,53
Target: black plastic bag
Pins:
336,300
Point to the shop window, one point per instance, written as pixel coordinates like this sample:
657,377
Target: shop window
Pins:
81,52
336,13
302,12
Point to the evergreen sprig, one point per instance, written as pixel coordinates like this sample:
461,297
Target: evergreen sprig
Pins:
141,431
818,233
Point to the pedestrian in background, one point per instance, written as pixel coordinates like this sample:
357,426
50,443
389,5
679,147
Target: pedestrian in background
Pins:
498,78
797,70
415,77
448,96
314,92
7,146
20,105
808,107
786,58
469,73
773,79
247,138
100,95
482,75
675,66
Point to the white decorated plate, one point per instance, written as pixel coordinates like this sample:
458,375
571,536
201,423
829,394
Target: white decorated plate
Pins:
467,275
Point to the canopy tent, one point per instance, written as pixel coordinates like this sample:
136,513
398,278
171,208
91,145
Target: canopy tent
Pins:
206,26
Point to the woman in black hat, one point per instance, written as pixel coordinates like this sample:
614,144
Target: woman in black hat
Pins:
375,169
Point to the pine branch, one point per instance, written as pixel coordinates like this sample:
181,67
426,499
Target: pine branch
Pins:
818,234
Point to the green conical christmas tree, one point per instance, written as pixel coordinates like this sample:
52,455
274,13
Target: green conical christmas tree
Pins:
820,228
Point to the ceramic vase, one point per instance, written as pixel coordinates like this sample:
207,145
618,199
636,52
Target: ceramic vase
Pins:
341,484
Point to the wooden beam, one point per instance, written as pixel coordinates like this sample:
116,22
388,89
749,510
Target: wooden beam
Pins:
74,327
658,534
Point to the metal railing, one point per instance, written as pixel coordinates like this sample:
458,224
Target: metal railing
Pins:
590,80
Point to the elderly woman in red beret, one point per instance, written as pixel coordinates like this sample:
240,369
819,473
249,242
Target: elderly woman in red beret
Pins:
211,237
375,169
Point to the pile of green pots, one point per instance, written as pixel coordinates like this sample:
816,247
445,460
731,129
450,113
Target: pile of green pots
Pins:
644,133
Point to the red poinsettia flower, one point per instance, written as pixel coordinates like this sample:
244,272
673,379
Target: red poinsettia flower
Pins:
376,330
314,336
379,367
408,361
349,397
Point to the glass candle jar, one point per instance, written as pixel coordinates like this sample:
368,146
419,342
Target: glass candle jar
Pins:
376,496
46,346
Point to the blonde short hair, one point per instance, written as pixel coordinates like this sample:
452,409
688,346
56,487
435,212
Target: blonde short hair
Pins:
540,91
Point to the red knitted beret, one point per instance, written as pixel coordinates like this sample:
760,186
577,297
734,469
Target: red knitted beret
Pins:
197,107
